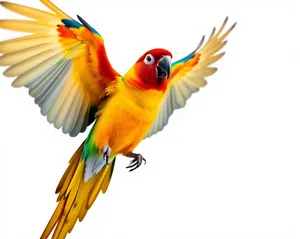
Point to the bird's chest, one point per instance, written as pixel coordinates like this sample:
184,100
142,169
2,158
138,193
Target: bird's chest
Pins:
127,120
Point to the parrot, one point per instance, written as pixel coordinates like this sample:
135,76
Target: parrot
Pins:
63,63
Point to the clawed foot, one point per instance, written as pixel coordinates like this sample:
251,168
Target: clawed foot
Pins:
136,162
106,150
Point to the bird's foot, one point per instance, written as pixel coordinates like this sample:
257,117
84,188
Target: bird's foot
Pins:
136,162
106,150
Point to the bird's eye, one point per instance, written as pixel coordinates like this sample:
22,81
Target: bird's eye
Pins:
149,59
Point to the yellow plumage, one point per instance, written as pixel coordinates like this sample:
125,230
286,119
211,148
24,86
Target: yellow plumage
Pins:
39,15
127,106
23,43
55,9
33,72
64,64
65,58
19,56
26,26
75,196
26,65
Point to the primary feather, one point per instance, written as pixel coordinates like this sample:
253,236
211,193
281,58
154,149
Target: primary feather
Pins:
63,63
188,76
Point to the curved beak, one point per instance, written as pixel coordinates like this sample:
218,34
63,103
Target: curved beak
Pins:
163,68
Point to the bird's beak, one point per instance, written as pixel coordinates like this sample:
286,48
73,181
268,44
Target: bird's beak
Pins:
163,68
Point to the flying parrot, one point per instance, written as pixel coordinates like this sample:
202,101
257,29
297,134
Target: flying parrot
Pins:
64,65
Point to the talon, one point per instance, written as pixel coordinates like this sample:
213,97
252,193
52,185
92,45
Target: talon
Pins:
133,169
136,162
133,164
106,150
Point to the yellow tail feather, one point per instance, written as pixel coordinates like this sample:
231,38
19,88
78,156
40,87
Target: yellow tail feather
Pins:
75,196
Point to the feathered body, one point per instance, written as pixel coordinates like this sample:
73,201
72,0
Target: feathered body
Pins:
126,118
64,65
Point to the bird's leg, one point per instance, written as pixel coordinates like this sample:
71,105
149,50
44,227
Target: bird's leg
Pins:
136,162
106,150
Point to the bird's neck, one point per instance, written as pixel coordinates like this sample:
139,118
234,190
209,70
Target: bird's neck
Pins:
148,99
144,82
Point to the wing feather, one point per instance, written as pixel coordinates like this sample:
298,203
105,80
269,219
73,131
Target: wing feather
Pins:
80,124
32,12
51,116
66,107
42,83
51,95
30,75
70,119
16,57
26,26
63,63
26,65
188,75
21,43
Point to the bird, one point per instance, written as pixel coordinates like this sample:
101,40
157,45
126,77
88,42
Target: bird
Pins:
64,65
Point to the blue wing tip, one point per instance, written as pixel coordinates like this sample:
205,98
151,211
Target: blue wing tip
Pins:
87,25
191,55
69,23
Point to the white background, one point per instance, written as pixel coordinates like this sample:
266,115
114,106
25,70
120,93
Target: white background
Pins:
226,166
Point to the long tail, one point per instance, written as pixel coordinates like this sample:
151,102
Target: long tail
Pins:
75,196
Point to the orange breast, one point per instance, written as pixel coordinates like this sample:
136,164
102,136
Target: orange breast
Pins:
126,118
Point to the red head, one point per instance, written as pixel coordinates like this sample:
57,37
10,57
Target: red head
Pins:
152,70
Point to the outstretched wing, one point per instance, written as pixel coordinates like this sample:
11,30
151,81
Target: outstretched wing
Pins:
188,76
63,63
